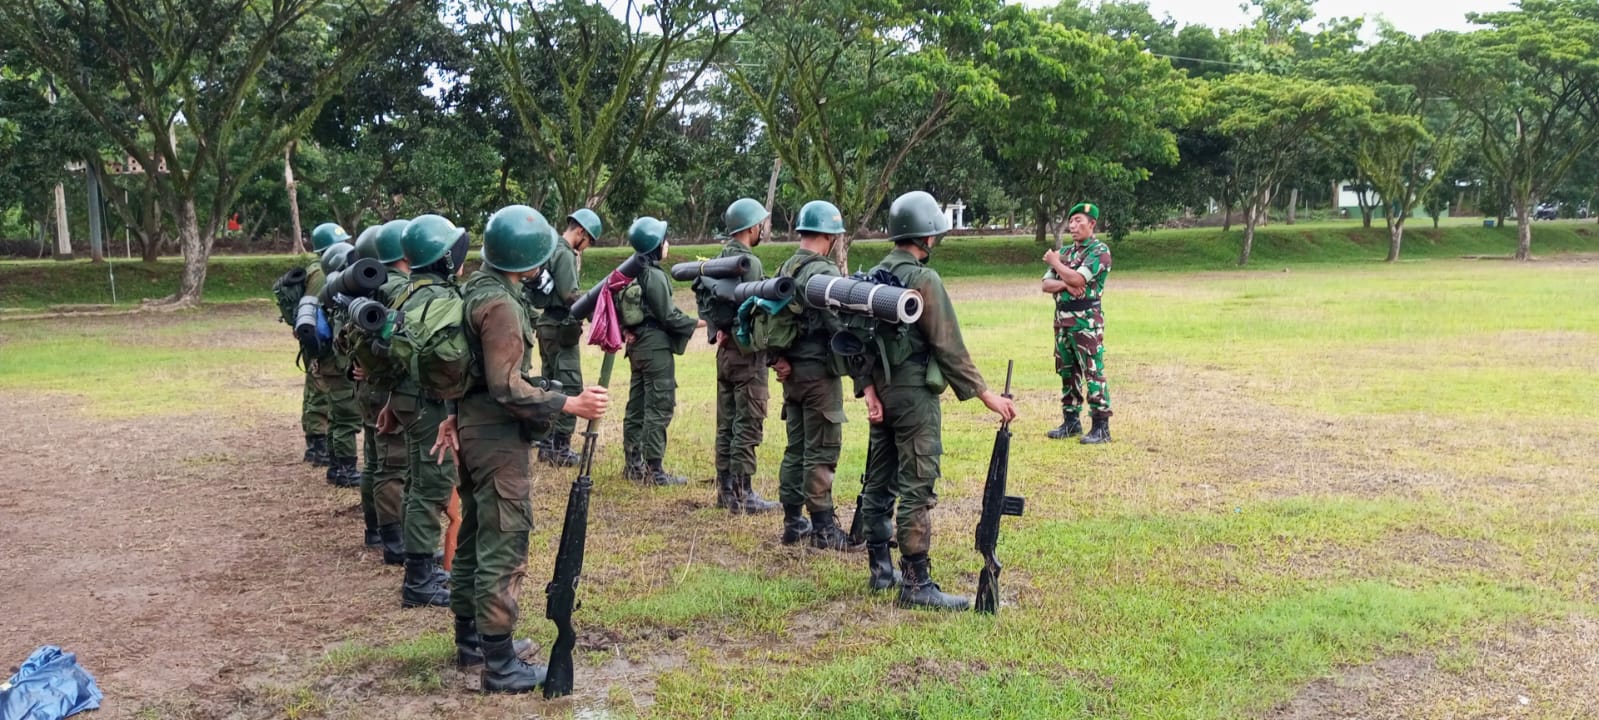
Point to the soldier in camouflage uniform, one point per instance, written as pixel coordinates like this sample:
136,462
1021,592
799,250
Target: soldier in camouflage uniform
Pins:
741,377
1076,278
314,403
903,406
558,332
813,395
331,375
383,476
492,429
432,245
651,349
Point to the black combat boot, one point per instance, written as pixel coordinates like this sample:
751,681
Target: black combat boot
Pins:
503,671
635,470
660,477
560,452
343,473
917,589
826,534
369,518
1072,426
316,450
393,544
752,501
727,490
1099,433
880,560
795,526
422,586
469,646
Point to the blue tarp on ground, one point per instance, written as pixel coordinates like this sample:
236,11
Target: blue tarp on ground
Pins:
49,685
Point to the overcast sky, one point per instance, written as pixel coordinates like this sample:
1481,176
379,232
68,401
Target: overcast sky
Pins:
1417,17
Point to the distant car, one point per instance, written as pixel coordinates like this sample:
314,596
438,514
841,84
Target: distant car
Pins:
1546,211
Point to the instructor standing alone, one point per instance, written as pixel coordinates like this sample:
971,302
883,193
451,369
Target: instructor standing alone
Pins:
1076,278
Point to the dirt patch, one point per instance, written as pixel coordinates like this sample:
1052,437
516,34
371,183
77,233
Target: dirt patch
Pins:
1544,672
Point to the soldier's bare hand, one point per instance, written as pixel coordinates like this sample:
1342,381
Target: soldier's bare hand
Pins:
1002,406
357,373
388,423
699,323
783,369
449,440
590,404
1051,257
874,405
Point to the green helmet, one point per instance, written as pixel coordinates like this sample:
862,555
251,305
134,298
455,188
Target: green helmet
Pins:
517,239
393,232
646,235
336,257
742,215
326,234
916,215
589,220
427,239
820,216
366,244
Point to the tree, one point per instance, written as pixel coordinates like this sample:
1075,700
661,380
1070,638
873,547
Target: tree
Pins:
847,90
1407,149
243,78
1531,82
1275,123
1087,115
588,86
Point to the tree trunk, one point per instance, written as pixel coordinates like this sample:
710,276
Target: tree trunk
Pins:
1249,234
1226,215
771,191
63,235
1293,204
1435,221
152,229
195,251
1524,229
96,218
294,196
1040,224
1335,199
1396,235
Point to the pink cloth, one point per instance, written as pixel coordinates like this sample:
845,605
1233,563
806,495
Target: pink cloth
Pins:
607,329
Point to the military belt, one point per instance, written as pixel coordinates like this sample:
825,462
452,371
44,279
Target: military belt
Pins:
1079,305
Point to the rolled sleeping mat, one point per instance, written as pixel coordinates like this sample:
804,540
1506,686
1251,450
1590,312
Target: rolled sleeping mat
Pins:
718,269
358,280
847,344
305,319
778,288
369,315
293,277
863,297
630,268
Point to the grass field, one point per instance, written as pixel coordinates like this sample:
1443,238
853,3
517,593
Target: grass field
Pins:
42,283
1316,472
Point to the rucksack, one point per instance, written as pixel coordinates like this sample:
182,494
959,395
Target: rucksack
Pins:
767,324
630,306
287,291
431,343
716,312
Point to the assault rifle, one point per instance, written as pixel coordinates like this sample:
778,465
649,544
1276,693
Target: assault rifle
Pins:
995,504
561,593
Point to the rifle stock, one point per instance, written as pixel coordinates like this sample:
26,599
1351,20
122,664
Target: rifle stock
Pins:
561,593
996,504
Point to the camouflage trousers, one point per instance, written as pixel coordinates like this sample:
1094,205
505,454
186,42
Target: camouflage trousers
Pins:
344,412
813,412
741,398
903,465
651,399
564,364
428,482
1080,360
384,471
313,407
496,517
